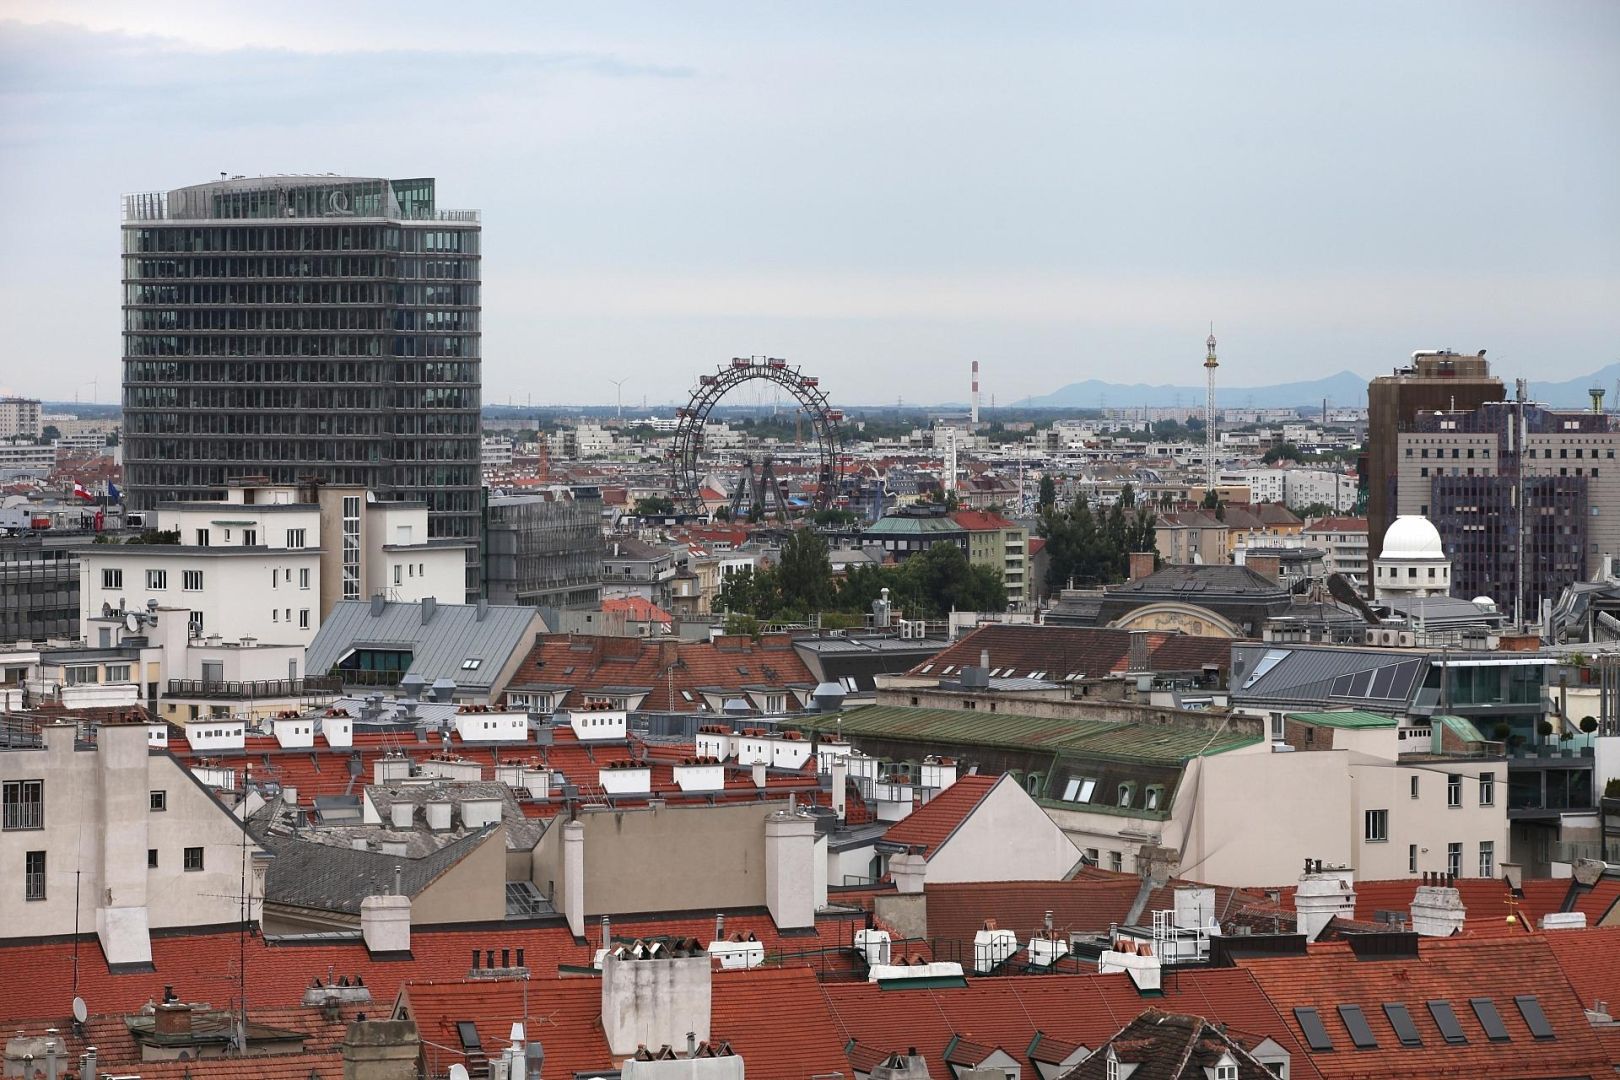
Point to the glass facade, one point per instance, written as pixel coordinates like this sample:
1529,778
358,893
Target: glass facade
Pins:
304,327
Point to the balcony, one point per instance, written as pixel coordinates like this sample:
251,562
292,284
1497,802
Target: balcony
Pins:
231,690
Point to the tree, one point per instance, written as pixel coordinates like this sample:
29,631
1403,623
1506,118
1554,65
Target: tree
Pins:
654,506
804,573
1282,452
1048,496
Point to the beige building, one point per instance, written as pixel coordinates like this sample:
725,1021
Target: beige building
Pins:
130,834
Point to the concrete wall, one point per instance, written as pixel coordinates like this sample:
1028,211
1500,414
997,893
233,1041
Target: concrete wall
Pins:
665,859
1007,838
473,890
107,839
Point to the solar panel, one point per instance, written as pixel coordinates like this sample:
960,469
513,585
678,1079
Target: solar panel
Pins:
1490,1019
1356,1023
1401,1021
1446,1020
1315,1033
1534,1018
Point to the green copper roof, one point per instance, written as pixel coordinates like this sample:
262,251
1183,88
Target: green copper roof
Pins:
1344,718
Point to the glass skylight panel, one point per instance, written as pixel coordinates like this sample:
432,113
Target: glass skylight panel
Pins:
1490,1019
1446,1020
1534,1018
1401,1020
1356,1024
1271,659
1315,1034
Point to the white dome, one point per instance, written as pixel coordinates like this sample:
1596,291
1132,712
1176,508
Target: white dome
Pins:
1412,537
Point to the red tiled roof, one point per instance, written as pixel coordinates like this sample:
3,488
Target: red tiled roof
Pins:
636,608
1591,961
931,825
981,520
1446,969
666,667
1083,1009
1085,650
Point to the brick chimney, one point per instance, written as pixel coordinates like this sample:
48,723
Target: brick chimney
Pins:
1267,566
1142,563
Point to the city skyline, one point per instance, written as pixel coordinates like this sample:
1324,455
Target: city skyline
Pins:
1062,195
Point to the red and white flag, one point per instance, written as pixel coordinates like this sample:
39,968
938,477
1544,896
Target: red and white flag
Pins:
79,490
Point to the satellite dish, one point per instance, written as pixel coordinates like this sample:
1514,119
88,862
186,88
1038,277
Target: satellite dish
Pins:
132,623
458,1072
80,1013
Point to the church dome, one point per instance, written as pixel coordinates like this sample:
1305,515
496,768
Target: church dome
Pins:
1412,537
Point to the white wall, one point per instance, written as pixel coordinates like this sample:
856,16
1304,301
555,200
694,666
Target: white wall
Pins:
1008,837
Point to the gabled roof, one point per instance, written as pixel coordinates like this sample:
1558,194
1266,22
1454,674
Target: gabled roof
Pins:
929,826
453,634
674,673
1457,971
1061,651
1170,1046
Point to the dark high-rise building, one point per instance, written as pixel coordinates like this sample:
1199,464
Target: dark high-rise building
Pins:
304,327
1434,380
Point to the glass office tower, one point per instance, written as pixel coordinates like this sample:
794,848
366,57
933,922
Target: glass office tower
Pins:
304,328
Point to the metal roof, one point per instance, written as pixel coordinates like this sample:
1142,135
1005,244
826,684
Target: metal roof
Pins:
453,633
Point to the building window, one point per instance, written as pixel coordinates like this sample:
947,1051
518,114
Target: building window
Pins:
157,579
191,580
34,875
1414,787
295,538
351,547
1454,789
112,579
151,858
158,801
22,804
1487,789
194,858
202,537
303,618
1487,858
1454,860
1411,858
1377,826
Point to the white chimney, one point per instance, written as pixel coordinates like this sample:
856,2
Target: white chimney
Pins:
840,787
790,884
908,871
573,851
385,924
401,814
1323,894
438,815
654,1002
1437,911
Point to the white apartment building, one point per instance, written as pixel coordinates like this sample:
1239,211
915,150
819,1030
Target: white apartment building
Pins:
19,416
117,841
262,564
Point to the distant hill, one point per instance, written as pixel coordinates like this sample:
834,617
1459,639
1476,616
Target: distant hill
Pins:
1346,389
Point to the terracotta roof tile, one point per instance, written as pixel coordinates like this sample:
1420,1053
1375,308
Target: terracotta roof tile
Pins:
931,825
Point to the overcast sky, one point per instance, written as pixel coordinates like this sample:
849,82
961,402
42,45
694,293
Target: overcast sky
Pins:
879,192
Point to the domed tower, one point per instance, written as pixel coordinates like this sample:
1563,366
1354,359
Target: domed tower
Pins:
1413,562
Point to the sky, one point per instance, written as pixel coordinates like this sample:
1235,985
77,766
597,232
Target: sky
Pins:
880,193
